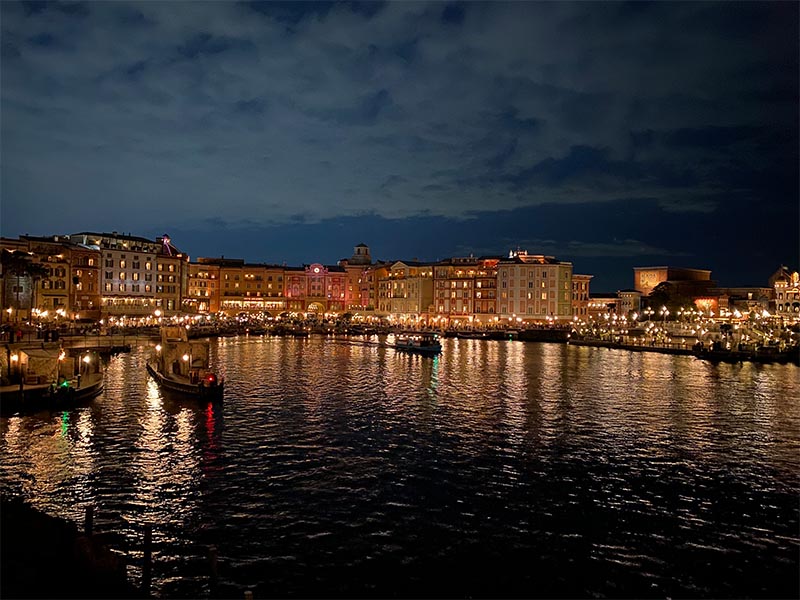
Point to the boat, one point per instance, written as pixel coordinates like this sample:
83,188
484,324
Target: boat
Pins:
472,335
78,389
181,366
718,352
424,342
50,377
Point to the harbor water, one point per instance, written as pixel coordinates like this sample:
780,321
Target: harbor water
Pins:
498,468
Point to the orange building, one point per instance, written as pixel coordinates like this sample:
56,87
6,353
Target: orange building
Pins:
357,268
85,293
580,296
465,290
645,279
203,291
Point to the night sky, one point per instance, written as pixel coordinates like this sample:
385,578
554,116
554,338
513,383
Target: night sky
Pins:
612,135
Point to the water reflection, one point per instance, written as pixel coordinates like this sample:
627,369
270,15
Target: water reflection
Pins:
331,464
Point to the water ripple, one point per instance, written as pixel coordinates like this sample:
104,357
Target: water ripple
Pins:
495,469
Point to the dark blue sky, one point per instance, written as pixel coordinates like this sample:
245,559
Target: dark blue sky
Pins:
609,134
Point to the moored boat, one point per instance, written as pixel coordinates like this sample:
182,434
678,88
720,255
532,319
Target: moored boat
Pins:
50,378
424,342
472,335
182,366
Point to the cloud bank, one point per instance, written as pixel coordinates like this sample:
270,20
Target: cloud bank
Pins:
263,114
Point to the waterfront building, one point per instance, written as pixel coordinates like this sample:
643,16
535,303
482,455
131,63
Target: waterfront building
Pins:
203,287
465,290
85,299
246,287
602,304
132,284
787,293
325,289
316,289
534,288
688,282
172,273
580,296
295,289
485,302
369,286
51,292
356,267
628,301
407,293
745,299
18,286
66,288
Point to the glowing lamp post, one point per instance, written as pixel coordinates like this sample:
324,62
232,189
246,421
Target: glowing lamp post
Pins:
13,364
61,358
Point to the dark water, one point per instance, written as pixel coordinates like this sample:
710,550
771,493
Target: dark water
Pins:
496,469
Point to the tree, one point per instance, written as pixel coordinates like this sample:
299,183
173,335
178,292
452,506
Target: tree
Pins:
20,265
666,294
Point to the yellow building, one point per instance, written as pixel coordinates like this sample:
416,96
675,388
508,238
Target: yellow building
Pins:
202,291
407,292
534,288
787,294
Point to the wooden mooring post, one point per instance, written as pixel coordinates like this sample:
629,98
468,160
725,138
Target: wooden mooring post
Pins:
88,522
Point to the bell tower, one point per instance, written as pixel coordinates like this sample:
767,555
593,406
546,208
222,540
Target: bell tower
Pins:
360,255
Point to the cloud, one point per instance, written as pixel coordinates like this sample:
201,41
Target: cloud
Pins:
261,112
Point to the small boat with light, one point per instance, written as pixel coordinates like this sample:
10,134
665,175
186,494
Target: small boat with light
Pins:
423,342
50,377
181,366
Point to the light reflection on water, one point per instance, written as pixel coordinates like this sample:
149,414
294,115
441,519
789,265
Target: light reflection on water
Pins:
504,468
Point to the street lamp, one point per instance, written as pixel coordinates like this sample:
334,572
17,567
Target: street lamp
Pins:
61,358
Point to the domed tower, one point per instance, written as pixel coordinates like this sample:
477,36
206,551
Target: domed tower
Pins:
360,255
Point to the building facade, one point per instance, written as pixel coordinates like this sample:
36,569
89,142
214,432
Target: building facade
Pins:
787,294
628,301
602,305
534,288
465,291
407,291
646,279
138,276
203,289
580,296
